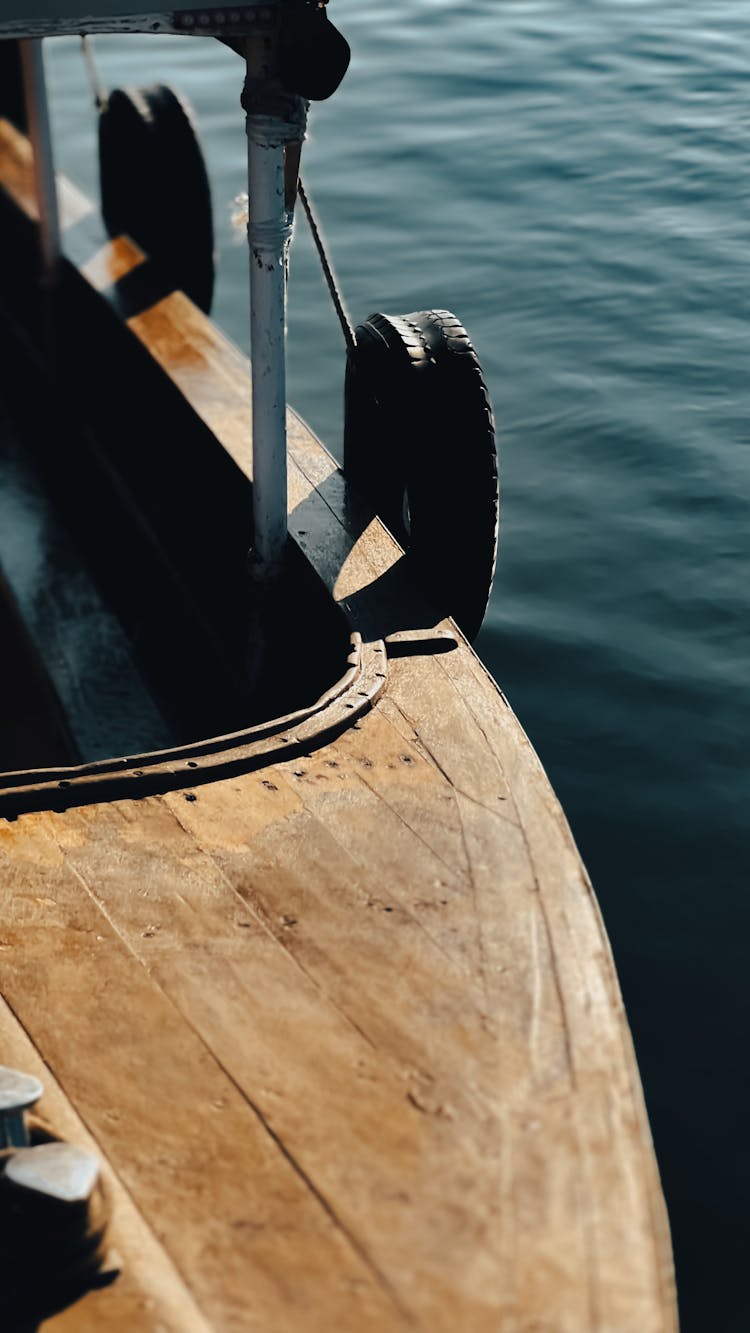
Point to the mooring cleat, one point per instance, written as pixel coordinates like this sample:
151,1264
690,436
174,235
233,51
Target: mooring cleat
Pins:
54,1226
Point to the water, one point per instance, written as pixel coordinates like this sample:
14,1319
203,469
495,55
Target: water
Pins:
571,178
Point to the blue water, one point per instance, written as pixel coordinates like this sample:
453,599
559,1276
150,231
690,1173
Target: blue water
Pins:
572,178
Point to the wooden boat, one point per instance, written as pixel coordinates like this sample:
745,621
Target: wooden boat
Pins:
323,982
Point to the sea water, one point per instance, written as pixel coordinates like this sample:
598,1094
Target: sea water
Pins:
572,178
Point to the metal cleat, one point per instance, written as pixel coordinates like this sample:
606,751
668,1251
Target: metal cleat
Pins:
54,1221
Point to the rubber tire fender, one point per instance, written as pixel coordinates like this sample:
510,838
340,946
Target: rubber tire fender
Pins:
154,184
419,450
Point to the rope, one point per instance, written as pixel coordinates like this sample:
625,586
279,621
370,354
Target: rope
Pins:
271,235
330,277
97,87
275,131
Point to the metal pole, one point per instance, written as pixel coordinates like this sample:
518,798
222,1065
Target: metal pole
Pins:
268,240
37,115
274,119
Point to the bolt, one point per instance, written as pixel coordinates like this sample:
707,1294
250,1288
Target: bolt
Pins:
18,1093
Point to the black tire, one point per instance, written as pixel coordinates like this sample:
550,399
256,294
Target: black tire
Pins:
419,450
154,185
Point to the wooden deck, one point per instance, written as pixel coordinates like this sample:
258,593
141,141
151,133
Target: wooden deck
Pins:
344,1027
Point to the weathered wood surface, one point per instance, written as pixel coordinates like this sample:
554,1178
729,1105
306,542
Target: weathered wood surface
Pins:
347,1030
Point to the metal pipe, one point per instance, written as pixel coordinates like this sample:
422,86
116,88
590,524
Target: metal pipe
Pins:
276,119
37,115
269,231
18,1093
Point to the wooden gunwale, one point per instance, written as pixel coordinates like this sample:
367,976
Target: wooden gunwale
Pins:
345,1030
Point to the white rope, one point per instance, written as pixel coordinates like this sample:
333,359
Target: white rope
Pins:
275,131
97,87
272,234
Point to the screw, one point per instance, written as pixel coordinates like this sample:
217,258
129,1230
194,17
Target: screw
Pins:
18,1092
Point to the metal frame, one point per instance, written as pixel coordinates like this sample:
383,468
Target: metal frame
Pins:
275,120
190,20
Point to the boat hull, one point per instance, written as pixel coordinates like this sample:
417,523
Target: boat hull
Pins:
343,1026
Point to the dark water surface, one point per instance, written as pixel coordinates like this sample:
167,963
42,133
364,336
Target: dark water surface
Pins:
571,177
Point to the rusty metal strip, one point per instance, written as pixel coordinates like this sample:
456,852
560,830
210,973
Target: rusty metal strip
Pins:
205,761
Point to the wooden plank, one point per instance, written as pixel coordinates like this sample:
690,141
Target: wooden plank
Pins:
114,260
606,1110
254,1244
599,1038
18,180
566,1138
231,981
